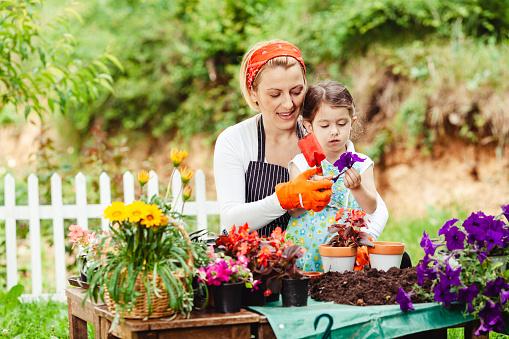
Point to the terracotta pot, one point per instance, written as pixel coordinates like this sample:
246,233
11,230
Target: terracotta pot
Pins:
313,275
337,259
386,254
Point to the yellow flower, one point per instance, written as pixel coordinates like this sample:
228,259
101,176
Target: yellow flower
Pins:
177,156
164,220
143,177
186,194
116,211
186,174
153,216
137,210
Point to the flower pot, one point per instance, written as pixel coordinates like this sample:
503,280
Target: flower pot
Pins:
273,297
227,297
254,297
313,275
295,292
386,254
337,259
497,258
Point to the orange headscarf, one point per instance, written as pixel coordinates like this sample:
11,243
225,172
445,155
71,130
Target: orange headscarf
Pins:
271,51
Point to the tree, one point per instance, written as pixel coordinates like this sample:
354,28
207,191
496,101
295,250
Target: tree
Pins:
38,71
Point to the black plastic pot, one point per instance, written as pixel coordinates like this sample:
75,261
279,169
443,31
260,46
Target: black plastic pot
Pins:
227,297
253,298
273,297
295,292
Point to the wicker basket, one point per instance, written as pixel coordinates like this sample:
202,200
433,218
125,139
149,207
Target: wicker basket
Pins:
159,304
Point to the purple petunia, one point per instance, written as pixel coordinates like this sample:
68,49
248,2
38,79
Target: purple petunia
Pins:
491,318
504,296
505,211
403,299
443,294
450,276
446,226
494,287
454,238
428,245
476,226
468,294
347,160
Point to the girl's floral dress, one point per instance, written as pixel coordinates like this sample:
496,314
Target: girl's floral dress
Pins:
310,229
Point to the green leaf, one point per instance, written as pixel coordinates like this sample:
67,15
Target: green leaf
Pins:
115,61
75,14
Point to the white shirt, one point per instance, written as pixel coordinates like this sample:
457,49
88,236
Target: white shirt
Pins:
235,148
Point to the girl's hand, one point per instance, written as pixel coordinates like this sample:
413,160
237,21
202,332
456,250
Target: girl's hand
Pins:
352,178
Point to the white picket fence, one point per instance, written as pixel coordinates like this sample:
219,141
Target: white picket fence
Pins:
82,212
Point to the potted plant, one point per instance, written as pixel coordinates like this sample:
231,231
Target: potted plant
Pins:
340,253
463,271
227,276
86,241
146,263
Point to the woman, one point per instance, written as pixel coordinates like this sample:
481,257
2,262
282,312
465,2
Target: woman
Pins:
251,158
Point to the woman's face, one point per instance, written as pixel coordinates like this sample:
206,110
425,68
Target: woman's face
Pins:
331,127
279,95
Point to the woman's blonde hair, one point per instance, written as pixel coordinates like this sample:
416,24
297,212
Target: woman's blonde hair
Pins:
282,61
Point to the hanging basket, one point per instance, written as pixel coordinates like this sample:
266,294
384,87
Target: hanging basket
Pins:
159,304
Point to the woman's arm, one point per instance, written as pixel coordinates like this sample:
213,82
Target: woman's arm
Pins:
230,160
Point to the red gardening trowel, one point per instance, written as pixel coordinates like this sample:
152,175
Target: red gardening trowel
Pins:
312,151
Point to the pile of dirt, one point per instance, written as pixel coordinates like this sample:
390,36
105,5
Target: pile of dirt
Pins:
366,287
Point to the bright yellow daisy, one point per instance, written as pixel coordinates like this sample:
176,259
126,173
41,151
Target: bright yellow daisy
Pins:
153,217
116,212
137,210
177,156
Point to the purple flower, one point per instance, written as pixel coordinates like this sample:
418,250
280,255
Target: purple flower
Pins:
504,295
468,294
446,226
454,239
476,227
491,318
494,287
482,255
403,299
347,160
443,294
450,276
428,245
493,239
505,211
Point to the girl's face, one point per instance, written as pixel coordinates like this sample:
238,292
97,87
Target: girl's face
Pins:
331,127
280,94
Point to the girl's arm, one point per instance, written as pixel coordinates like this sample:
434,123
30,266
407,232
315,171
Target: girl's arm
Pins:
362,187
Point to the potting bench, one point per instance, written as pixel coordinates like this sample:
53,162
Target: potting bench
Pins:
208,324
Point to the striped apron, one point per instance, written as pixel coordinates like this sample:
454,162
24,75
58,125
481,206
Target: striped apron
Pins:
262,178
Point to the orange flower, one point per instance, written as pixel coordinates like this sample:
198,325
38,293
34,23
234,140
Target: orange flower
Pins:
339,213
177,156
143,177
186,174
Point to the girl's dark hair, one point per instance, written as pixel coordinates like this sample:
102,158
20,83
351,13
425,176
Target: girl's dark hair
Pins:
331,93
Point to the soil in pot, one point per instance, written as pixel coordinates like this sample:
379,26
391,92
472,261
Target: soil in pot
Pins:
366,287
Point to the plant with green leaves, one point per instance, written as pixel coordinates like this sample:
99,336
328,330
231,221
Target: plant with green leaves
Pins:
146,254
38,70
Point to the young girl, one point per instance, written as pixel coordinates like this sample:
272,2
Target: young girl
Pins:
329,112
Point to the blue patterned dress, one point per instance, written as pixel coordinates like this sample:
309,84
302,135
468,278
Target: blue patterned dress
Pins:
310,229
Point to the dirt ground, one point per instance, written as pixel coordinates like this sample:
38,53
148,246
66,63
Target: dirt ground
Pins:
409,181
366,287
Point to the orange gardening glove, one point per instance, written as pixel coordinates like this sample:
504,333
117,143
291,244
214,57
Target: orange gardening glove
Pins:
310,195
362,258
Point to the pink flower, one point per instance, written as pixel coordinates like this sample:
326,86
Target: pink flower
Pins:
76,232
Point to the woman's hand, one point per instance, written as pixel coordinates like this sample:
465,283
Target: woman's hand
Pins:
300,192
352,178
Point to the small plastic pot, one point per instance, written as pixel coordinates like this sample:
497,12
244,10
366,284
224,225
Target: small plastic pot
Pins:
227,297
337,259
386,254
294,292
254,297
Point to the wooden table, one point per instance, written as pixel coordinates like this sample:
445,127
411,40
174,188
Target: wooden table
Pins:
201,324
